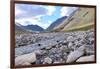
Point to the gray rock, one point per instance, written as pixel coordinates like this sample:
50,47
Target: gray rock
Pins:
57,55
48,60
86,58
75,54
70,38
63,47
61,61
48,47
40,52
53,50
56,62
25,59
70,44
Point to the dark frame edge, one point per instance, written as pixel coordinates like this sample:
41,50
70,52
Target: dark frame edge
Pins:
52,3
95,33
12,63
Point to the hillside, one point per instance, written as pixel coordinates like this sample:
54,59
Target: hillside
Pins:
81,19
56,23
19,29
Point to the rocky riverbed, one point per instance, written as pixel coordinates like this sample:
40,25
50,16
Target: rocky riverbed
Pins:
53,48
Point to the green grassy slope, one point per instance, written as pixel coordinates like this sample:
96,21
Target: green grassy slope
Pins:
83,27
82,19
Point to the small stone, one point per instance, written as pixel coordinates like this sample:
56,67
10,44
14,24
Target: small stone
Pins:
70,38
26,63
63,47
40,52
57,55
64,54
61,61
64,42
70,44
48,60
53,50
56,62
48,48
38,62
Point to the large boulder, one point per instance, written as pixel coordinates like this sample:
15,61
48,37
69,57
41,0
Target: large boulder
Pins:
73,56
26,59
86,58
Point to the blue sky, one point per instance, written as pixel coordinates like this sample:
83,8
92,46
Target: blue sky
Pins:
42,15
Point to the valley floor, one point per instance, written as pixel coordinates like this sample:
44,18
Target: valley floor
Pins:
53,48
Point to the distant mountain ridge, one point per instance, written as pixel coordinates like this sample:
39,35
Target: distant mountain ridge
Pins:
20,29
34,28
56,23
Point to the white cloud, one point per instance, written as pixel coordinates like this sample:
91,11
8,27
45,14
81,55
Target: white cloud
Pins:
32,20
50,9
35,20
33,10
66,11
27,21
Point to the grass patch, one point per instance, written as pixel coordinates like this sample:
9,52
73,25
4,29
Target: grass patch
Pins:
83,27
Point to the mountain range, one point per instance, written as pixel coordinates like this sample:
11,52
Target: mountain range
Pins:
34,28
80,19
27,29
